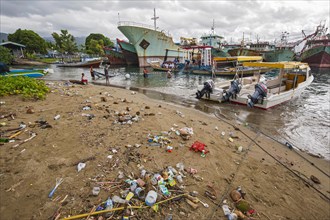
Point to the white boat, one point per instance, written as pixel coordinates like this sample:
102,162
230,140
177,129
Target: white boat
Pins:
262,93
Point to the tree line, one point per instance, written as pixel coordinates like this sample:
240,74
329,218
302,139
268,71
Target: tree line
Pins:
64,43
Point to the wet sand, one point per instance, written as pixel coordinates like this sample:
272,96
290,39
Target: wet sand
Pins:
276,180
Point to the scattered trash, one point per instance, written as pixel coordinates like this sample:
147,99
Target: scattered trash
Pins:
81,166
96,190
199,147
86,108
58,182
151,198
57,117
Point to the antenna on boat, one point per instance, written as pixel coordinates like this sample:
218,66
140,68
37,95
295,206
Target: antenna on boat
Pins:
118,17
155,18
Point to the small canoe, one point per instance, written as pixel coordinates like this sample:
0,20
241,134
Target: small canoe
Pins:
28,74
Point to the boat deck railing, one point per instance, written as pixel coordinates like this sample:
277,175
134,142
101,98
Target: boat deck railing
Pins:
132,23
136,24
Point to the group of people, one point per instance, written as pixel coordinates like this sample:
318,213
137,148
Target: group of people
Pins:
106,74
91,70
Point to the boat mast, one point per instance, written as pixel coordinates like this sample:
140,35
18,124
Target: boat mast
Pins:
155,18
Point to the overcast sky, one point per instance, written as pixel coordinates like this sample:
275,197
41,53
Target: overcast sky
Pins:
262,18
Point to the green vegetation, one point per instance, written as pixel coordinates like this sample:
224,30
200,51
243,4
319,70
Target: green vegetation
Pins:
6,56
95,42
29,88
65,42
33,42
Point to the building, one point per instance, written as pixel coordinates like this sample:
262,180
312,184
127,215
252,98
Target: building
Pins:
15,48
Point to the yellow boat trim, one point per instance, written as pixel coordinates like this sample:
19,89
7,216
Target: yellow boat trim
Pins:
238,58
279,65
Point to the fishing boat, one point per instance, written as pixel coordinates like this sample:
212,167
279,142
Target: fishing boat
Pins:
95,63
129,52
317,52
261,92
115,56
281,51
166,66
150,43
230,66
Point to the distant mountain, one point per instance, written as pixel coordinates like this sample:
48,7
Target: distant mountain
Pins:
3,37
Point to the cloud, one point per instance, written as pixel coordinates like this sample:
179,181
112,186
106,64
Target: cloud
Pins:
267,19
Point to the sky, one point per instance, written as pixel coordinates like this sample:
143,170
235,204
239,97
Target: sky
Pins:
262,19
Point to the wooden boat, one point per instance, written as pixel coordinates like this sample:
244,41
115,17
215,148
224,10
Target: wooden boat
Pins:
87,64
230,66
166,66
27,74
115,56
129,52
292,79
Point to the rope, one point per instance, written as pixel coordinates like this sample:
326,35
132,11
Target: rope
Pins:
258,131
286,167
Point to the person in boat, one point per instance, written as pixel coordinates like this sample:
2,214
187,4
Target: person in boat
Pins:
106,74
169,73
92,73
83,79
145,73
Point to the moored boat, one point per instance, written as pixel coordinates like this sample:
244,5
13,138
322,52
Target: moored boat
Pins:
230,66
316,51
150,44
292,79
115,56
317,54
129,52
87,64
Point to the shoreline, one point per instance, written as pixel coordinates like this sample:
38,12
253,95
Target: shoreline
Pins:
270,187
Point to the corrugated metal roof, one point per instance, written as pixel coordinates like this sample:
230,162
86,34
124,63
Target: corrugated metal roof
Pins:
10,42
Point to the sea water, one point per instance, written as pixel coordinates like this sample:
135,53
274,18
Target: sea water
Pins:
304,121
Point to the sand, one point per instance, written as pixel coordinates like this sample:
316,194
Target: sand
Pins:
276,180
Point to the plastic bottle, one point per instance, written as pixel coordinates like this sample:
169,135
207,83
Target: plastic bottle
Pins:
151,198
57,117
227,212
143,173
179,178
117,199
108,206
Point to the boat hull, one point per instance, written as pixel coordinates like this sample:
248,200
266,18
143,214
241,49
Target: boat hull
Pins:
129,52
278,55
150,44
243,52
273,98
115,57
27,74
232,72
318,56
88,64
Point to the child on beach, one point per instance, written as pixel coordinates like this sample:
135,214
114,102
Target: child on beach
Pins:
83,80
92,73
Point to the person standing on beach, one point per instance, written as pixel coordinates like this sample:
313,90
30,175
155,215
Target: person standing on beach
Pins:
106,74
145,73
92,73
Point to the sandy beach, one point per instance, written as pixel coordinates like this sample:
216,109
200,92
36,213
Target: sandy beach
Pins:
112,131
